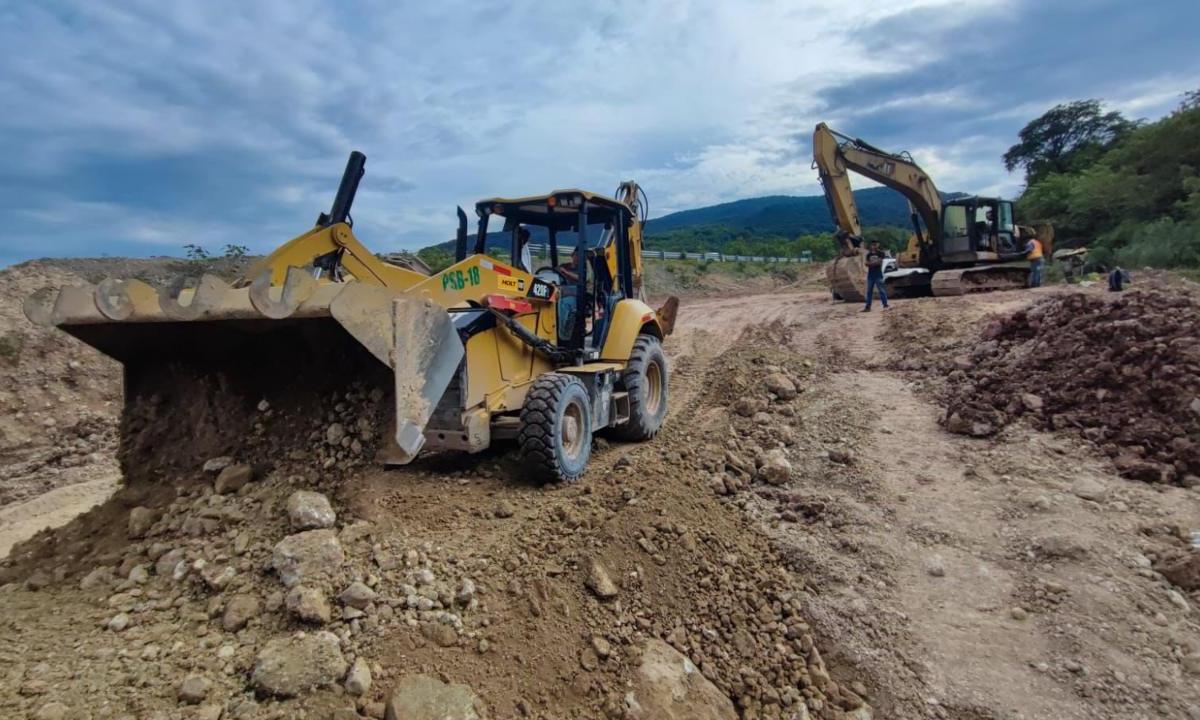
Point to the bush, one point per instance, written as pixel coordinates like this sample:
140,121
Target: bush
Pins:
11,344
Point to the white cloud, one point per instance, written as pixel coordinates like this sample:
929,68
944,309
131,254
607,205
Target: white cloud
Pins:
122,106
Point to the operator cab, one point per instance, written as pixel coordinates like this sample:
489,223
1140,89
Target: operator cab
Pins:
561,224
976,229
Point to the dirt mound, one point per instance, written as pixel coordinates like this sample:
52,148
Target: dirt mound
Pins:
1123,373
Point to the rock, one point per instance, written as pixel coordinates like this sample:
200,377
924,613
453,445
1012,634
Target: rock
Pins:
1088,489
217,577
210,712
1060,546
308,604
667,686
119,622
193,689
1191,663
841,457
217,464
466,592
165,565
52,711
233,478
309,510
776,469
935,565
98,577
358,680
357,595
310,556
334,434
1183,572
440,633
423,697
747,407
289,666
1178,600
38,579
503,510
1018,613
781,386
601,646
599,582
140,521
1032,402
239,611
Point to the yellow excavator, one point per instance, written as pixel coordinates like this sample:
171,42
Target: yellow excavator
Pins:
481,351
964,245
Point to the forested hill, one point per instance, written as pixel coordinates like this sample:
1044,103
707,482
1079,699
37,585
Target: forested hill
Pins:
786,215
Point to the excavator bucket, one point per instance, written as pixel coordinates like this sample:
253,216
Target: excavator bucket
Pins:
299,337
847,277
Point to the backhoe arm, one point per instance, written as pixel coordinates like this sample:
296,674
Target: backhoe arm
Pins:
835,154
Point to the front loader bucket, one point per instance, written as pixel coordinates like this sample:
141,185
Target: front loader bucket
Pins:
418,340
197,361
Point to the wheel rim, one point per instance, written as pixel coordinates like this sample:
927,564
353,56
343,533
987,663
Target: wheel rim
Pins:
654,388
571,430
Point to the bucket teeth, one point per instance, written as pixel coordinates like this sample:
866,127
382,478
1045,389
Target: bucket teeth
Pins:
126,299
208,294
297,287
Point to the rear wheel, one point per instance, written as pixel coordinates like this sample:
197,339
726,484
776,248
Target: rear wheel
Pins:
556,428
645,378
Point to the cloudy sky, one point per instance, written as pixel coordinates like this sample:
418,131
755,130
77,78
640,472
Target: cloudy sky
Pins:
136,127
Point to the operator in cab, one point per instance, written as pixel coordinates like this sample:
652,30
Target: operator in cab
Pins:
1033,253
570,269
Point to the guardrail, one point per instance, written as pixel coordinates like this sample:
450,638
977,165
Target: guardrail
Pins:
543,250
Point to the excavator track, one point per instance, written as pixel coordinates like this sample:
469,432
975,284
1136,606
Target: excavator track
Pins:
1011,276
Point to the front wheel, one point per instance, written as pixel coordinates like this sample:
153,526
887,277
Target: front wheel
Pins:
645,379
555,433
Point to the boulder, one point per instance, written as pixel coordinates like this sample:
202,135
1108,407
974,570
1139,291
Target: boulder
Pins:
1088,489
309,510
289,666
312,556
217,464
668,686
422,697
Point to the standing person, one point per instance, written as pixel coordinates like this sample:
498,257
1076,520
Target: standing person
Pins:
875,258
1033,252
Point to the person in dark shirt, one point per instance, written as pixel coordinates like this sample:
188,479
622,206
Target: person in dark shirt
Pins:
875,257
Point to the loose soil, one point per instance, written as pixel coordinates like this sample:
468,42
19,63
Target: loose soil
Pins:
888,568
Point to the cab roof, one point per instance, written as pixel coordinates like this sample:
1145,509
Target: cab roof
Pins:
558,209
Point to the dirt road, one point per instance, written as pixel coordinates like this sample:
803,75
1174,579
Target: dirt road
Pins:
931,575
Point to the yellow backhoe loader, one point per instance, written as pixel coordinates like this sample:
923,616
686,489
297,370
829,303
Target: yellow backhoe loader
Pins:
967,244
481,351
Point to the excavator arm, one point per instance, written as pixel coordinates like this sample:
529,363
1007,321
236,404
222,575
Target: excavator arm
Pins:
835,155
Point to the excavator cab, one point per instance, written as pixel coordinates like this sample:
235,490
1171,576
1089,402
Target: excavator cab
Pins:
978,229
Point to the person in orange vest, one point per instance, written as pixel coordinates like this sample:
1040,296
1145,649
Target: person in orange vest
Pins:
1033,252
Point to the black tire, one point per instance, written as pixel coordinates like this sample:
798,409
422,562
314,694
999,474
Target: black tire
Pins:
550,450
645,379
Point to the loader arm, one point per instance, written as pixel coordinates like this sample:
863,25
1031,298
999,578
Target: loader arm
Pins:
834,155
353,257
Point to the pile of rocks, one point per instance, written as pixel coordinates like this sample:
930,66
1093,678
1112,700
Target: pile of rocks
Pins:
1124,374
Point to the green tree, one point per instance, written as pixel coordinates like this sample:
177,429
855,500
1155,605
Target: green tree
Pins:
1066,138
